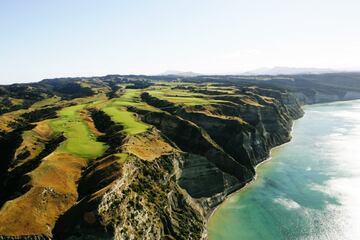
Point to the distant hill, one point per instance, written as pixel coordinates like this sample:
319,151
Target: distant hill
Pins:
278,70
288,71
180,73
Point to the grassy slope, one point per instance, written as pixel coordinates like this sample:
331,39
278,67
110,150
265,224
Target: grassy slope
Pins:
54,181
7,118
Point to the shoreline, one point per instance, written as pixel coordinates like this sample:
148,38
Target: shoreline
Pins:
298,166
267,160
244,187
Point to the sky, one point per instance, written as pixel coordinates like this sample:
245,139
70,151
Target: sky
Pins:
63,38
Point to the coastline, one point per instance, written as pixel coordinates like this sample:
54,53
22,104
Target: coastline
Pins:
270,154
227,198
280,200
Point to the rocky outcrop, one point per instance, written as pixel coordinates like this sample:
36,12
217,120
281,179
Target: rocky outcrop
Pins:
147,203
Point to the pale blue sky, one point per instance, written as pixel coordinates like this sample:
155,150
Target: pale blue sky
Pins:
56,38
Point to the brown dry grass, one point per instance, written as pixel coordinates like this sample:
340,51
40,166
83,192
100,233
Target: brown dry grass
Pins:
220,116
250,101
33,213
59,171
107,169
147,146
85,115
7,118
267,99
33,141
54,191
43,130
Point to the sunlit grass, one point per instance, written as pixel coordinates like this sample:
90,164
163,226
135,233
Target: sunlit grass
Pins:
117,110
79,139
183,97
127,119
45,102
121,157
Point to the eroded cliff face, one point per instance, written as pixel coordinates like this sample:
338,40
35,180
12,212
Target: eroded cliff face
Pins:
227,139
320,88
148,203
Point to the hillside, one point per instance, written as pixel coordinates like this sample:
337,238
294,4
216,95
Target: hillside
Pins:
141,157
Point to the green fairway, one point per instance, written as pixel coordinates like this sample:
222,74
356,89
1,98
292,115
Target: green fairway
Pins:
79,139
116,109
182,97
127,119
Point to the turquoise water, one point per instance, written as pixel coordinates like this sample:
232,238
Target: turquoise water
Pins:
310,189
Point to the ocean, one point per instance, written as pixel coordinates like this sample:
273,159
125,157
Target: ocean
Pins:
310,189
